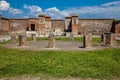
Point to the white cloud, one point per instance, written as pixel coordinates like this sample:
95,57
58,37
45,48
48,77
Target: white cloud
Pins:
52,9
15,11
107,10
56,13
4,5
112,3
34,10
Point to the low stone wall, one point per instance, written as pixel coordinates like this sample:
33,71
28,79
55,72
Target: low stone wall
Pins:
4,38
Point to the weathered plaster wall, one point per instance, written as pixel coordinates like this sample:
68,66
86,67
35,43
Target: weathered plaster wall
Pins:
96,26
60,24
4,24
18,25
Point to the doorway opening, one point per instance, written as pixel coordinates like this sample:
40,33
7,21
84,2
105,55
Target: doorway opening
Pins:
32,27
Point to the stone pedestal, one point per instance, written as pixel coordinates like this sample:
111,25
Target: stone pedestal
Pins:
72,37
109,39
87,41
22,40
13,39
51,40
33,37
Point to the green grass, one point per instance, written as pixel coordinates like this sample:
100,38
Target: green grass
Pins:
38,39
118,41
78,39
94,64
5,42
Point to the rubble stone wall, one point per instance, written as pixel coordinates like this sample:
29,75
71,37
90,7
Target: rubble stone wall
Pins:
96,26
4,24
58,24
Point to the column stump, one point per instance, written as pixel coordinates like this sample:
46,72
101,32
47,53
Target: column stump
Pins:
33,37
87,41
109,39
22,40
72,37
13,39
51,40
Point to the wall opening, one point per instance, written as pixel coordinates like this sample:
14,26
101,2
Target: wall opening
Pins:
32,27
27,29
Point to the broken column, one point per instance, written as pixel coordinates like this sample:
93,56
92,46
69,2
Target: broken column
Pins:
87,41
22,40
109,39
71,36
13,39
33,37
51,40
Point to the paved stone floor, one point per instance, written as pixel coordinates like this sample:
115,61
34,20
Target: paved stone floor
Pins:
60,45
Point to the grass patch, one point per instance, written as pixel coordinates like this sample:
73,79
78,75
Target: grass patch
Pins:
5,42
58,38
94,64
96,39
38,39
118,41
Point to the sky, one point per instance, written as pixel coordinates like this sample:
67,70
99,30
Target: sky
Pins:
59,9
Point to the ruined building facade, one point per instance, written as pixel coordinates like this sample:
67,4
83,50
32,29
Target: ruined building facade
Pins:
43,25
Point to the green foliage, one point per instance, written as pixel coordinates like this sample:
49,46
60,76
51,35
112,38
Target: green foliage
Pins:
94,64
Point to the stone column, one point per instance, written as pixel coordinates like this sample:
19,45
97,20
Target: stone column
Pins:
51,41
87,41
109,39
22,40
33,37
13,39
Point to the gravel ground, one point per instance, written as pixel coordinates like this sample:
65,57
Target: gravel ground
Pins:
60,45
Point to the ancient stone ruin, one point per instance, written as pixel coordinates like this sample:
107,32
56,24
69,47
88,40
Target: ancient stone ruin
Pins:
72,37
33,37
87,41
22,40
13,39
51,40
109,39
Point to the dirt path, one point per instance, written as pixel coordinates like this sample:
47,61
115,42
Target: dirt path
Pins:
60,45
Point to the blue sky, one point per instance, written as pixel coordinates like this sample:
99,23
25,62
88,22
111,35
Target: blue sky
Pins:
58,9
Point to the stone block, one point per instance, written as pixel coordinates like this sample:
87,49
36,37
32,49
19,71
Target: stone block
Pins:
22,40
72,37
87,41
33,37
13,39
109,39
51,40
